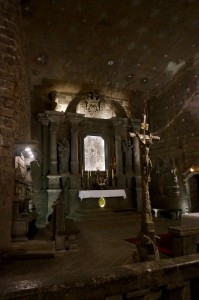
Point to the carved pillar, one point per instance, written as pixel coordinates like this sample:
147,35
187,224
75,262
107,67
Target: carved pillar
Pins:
74,146
43,205
53,149
74,152
45,148
118,152
52,189
119,132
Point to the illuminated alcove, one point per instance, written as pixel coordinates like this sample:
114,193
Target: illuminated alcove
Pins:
94,153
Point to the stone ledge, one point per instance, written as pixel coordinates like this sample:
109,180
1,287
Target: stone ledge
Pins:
103,283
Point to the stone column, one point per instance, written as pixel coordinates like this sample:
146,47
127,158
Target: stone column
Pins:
74,182
53,149
121,178
137,171
51,189
118,152
45,148
45,145
74,148
42,205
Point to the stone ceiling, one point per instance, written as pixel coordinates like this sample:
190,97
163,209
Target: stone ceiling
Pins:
129,45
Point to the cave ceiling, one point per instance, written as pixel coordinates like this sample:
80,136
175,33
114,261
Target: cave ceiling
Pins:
129,45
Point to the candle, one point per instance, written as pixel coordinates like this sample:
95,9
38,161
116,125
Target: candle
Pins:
82,172
107,173
112,173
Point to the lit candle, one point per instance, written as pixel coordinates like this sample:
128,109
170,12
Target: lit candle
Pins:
112,173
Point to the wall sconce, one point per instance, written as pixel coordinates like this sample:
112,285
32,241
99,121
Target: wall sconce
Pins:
192,169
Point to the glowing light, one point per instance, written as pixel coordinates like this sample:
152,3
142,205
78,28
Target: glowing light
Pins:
102,202
27,149
191,170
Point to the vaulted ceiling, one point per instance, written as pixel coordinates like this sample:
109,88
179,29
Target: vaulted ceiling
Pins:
129,45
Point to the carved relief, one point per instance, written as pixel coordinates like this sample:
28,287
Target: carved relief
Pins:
92,105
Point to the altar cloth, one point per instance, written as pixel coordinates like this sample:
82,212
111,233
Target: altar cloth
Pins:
101,193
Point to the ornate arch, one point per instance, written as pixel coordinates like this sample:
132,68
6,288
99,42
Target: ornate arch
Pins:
94,105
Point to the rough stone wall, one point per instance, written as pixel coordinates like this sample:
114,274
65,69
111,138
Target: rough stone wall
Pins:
14,107
174,117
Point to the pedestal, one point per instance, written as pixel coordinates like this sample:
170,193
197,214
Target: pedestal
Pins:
184,240
53,181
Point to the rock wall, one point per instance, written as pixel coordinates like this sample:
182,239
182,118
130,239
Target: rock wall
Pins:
14,106
174,117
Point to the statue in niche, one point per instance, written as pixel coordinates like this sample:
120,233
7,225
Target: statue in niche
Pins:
63,154
52,100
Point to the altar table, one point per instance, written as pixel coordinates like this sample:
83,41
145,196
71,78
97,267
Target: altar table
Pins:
101,193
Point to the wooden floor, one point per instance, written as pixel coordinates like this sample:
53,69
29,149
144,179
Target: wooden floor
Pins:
101,244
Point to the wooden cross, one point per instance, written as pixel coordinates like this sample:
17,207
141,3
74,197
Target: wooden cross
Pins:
147,234
143,137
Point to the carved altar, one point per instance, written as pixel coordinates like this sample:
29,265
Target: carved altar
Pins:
73,161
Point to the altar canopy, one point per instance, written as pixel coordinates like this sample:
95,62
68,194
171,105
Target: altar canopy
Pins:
101,193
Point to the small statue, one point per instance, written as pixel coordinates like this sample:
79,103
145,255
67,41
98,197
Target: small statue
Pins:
63,153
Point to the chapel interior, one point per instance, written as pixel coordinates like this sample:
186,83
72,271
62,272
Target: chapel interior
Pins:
99,149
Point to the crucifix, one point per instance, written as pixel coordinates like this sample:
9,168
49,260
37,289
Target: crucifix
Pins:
147,224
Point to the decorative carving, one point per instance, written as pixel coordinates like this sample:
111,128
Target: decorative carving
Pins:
92,105
53,181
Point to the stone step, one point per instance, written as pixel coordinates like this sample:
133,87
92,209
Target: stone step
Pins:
31,249
96,217
102,213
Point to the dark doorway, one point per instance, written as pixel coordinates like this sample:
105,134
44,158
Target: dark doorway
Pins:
194,192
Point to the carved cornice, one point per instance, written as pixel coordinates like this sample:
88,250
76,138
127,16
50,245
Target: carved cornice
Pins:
43,119
51,117
74,118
